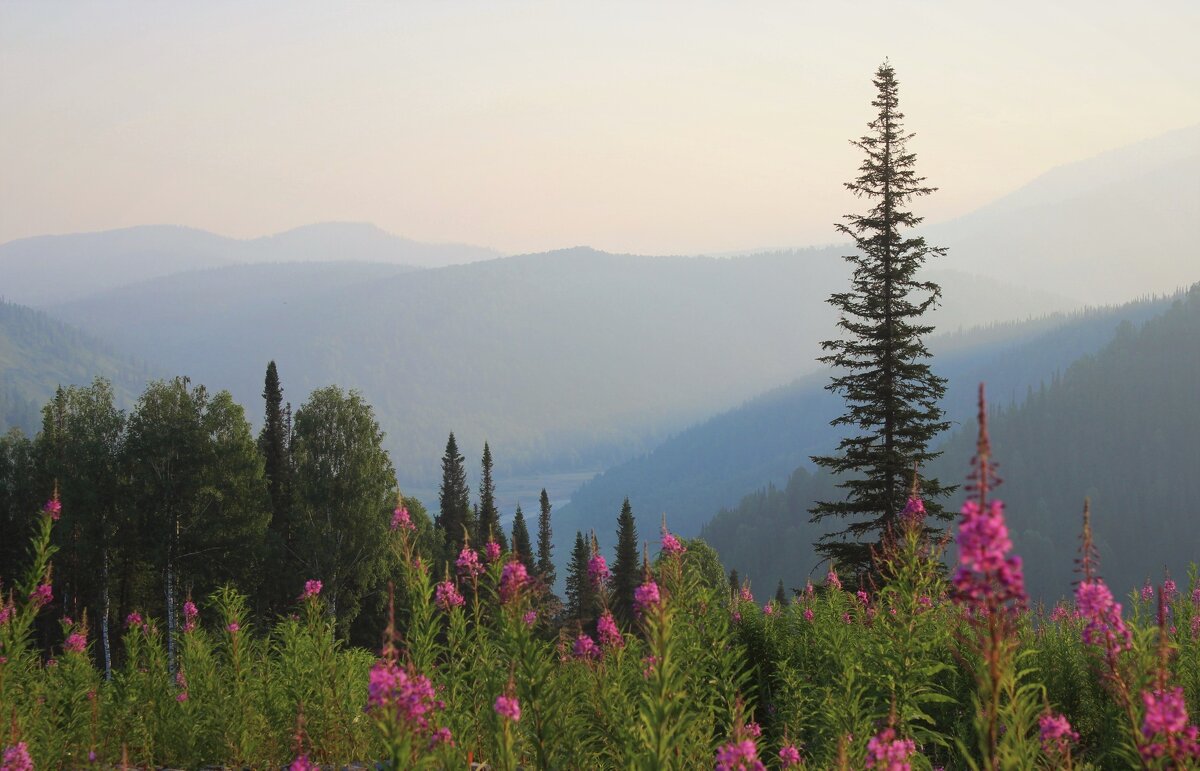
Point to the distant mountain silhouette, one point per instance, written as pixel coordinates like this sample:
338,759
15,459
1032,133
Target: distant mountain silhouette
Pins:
47,269
566,361
1101,230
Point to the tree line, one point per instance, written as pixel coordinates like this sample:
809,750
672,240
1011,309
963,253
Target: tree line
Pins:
176,498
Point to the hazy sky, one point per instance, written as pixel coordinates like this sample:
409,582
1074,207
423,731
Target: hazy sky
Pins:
642,126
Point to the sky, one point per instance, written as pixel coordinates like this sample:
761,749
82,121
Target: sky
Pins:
655,128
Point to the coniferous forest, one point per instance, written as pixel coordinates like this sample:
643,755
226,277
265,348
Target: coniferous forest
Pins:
179,590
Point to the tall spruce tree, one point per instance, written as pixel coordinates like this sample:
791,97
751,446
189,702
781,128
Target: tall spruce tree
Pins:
454,498
274,442
489,516
579,588
545,547
627,570
891,393
521,545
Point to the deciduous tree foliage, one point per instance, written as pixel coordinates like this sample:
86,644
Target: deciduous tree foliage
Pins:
197,490
892,395
83,444
23,486
345,491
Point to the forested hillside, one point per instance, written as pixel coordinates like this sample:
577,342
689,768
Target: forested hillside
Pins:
712,465
39,353
564,361
1118,426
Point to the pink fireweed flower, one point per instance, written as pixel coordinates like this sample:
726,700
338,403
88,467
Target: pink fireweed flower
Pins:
1170,589
598,570
808,614
789,756
508,707
401,520
1056,734
42,595
648,663
513,578
1060,613
468,563
987,576
408,694
913,507
671,544
888,753
530,617
1147,591
769,609
737,617
8,609
302,763
75,643
1166,712
312,588
745,594
1104,626
181,697
610,635
447,596
1196,597
191,616
1195,627
846,618
53,509
491,550
832,579
233,627
586,648
441,736
752,729
133,620
739,756
863,597
646,596
16,758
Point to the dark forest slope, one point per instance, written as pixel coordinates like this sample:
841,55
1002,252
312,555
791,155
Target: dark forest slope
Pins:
1119,426
38,353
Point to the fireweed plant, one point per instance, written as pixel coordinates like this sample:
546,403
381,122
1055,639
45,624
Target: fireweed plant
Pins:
989,593
929,667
